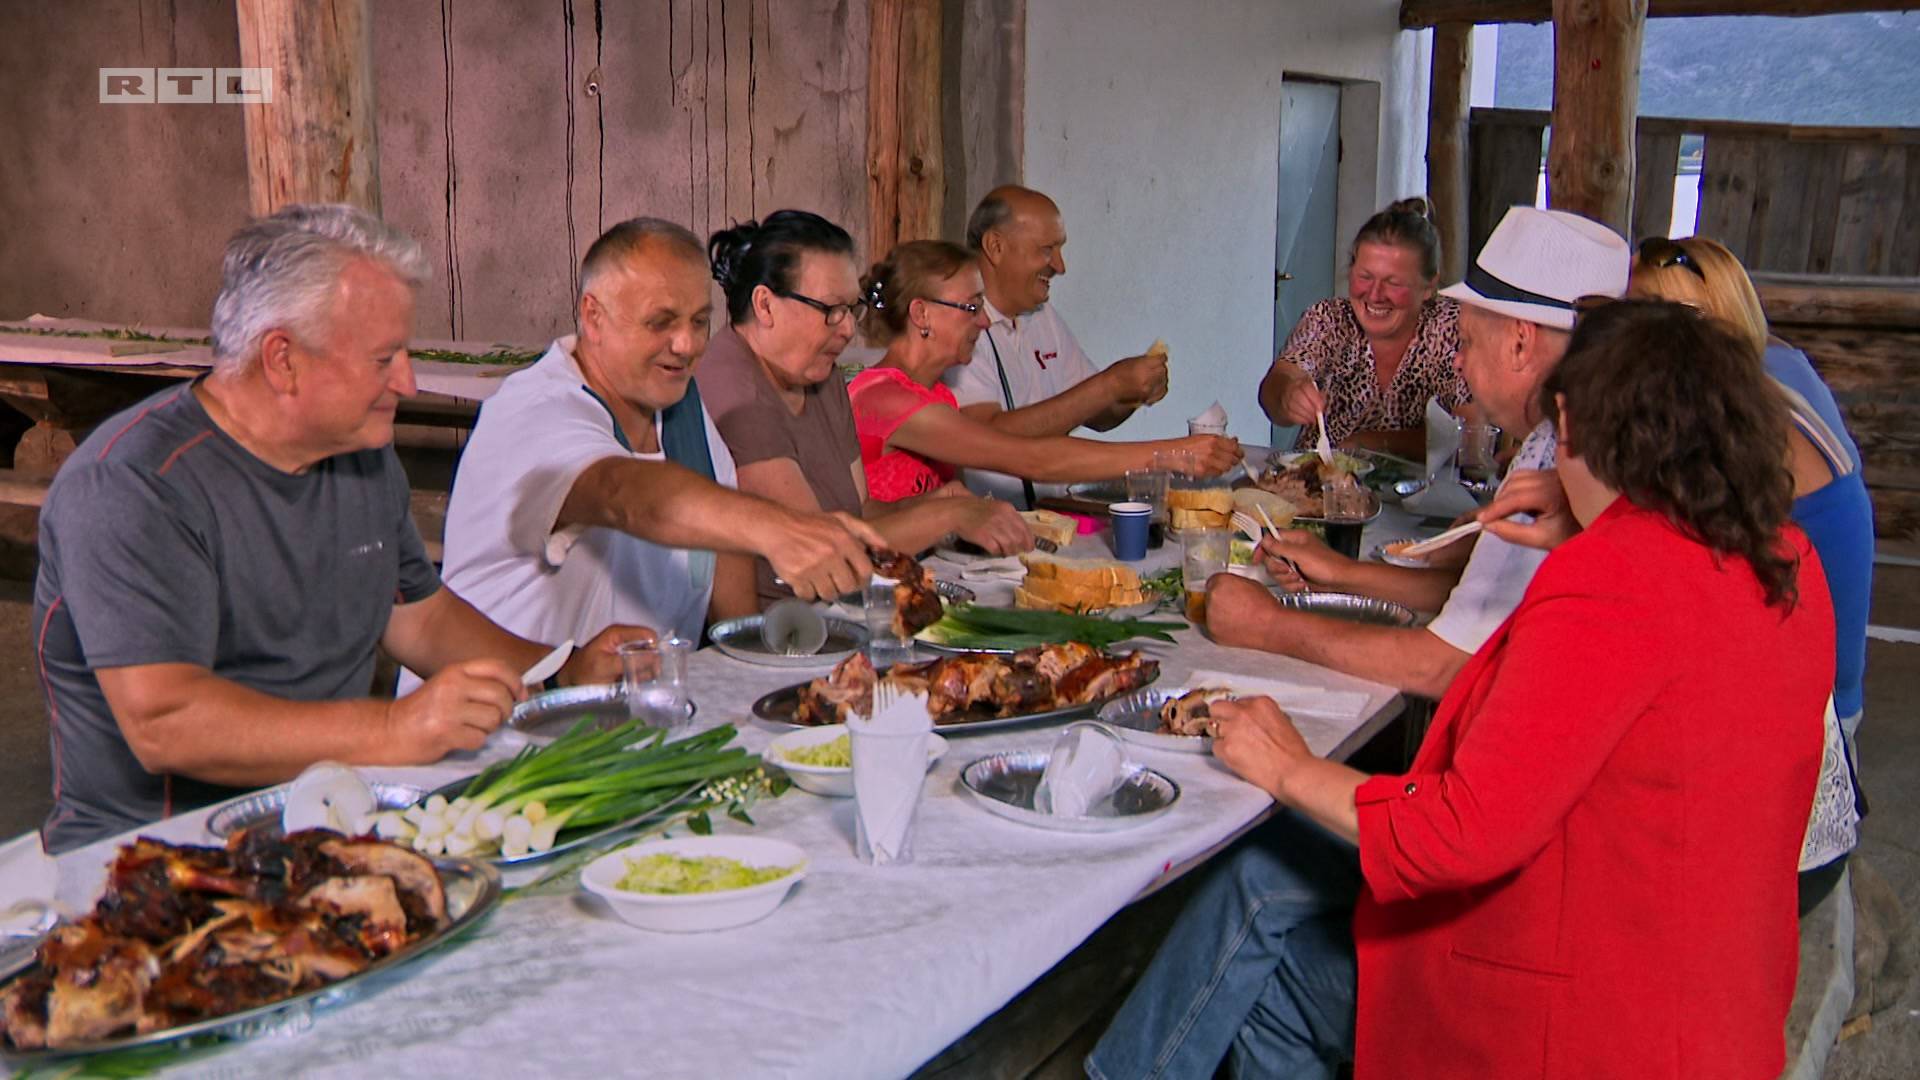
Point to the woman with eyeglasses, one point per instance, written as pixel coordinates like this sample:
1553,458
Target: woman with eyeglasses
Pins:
927,305
1830,502
771,382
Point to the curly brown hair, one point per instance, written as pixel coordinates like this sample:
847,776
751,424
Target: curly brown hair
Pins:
1672,409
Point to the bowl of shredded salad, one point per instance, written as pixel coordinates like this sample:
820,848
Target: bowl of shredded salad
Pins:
820,759
696,883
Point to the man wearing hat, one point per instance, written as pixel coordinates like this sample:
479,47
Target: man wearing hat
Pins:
1261,963
1516,313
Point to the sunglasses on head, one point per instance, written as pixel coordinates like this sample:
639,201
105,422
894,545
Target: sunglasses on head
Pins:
1660,253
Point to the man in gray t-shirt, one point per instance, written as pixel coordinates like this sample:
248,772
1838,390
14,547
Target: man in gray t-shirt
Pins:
218,563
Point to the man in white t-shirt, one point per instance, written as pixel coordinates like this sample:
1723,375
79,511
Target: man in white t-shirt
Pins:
1028,375
1516,314
596,488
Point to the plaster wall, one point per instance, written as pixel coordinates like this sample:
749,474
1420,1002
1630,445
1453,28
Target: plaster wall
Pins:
1156,128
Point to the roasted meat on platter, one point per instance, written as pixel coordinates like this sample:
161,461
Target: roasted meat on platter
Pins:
916,598
978,686
189,933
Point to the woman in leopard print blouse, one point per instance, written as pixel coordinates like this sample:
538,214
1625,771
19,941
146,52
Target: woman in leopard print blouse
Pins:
1372,359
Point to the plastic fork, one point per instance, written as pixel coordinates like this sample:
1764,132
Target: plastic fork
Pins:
1323,445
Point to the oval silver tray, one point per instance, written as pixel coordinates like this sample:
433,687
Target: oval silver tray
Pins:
740,639
1360,609
473,888
1004,784
776,709
264,807
1136,719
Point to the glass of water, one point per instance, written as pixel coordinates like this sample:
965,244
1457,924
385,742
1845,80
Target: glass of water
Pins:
884,645
654,674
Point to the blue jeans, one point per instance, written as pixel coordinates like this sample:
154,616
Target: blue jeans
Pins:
1260,964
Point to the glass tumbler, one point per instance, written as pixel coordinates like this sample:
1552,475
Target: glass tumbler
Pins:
654,674
885,647
1150,486
1204,554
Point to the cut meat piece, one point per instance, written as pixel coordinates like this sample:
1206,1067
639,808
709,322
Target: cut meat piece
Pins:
415,877
916,595
23,1010
99,982
375,903
1188,714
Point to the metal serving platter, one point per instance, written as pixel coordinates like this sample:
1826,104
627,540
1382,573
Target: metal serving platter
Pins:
1360,609
264,808
740,639
472,887
1004,784
551,714
1136,719
776,710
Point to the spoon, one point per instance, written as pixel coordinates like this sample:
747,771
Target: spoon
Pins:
545,668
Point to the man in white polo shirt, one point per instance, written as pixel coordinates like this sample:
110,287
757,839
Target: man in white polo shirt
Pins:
1516,314
595,484
1028,375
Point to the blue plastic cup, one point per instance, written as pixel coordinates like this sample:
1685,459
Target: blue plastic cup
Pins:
1131,520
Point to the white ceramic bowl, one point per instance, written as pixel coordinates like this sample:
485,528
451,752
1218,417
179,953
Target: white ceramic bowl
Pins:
694,912
834,783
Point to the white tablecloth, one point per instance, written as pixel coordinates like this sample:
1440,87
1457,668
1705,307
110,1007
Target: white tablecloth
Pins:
862,972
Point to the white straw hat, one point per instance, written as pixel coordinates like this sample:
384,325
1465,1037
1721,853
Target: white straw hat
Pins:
1538,262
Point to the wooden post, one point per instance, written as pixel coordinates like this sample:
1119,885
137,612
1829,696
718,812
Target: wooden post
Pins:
314,142
1448,105
1596,93
906,180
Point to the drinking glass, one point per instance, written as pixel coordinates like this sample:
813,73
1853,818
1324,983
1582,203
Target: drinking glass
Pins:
884,646
654,674
1150,486
1204,554
1347,506
1479,453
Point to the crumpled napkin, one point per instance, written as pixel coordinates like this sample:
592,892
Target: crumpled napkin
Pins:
1292,697
1443,496
1212,414
1087,764
1007,568
889,771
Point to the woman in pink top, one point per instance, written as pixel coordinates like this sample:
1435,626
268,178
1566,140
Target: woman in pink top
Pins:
925,302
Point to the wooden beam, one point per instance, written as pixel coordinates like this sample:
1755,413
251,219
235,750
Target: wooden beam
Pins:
1420,14
314,141
906,182
1830,300
1448,106
1596,94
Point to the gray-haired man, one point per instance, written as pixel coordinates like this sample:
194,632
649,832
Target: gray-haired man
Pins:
219,563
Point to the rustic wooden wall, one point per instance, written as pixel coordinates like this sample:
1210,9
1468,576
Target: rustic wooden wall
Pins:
512,135
493,152
1863,335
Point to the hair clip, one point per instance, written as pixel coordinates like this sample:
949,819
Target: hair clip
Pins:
874,290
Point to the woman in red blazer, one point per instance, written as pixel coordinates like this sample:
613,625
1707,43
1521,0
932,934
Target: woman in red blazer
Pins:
1589,870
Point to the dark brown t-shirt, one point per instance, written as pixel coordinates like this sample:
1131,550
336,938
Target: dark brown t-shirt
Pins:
757,426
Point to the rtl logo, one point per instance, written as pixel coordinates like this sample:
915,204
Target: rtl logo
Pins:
186,86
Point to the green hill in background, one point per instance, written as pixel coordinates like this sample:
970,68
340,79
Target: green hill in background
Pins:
1832,69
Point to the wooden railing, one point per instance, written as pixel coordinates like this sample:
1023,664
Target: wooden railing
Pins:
1786,199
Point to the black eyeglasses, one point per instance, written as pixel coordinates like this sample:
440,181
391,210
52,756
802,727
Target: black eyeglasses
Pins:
835,314
1660,253
971,309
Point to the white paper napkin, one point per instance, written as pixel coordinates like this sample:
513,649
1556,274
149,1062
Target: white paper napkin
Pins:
1443,496
1086,765
1008,568
1212,414
1292,697
889,770
28,880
